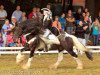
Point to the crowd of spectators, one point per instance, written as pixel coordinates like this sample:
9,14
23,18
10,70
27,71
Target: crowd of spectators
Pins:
81,24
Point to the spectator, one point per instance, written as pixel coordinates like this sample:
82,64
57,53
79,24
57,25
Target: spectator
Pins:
49,7
78,14
79,32
99,16
10,42
39,13
13,21
99,39
56,26
19,44
33,14
86,28
86,10
1,40
95,32
17,13
70,22
82,17
3,15
5,30
23,17
62,20
89,17
56,23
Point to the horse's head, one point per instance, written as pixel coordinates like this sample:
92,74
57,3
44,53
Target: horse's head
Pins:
47,14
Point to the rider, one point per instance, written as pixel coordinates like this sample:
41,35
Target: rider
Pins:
47,19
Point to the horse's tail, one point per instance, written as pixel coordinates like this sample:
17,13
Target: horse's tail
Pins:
89,55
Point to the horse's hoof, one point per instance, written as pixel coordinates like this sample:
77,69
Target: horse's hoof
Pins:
25,67
19,59
80,67
53,67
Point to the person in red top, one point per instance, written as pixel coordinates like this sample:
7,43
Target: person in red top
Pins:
56,26
33,14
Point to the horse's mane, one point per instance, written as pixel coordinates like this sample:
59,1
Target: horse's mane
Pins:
30,24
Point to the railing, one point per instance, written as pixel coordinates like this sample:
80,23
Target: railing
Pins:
14,50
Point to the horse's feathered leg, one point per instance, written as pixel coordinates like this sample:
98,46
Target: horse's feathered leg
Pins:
69,47
79,63
33,46
19,57
28,64
60,58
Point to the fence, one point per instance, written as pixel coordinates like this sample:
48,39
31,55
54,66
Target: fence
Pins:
14,50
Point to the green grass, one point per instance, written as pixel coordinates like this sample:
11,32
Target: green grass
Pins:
41,63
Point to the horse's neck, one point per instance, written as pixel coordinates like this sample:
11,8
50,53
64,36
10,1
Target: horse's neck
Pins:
45,18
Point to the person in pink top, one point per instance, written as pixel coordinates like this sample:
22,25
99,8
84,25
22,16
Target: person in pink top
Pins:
10,41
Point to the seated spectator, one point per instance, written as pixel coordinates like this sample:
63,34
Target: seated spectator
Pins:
23,17
1,40
62,20
56,26
95,31
23,40
33,14
5,30
17,13
10,42
3,15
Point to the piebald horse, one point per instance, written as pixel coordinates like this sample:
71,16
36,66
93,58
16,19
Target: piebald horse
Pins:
43,38
40,38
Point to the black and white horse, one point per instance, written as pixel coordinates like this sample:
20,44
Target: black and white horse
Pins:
40,38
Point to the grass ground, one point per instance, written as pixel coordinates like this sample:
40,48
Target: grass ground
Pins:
41,63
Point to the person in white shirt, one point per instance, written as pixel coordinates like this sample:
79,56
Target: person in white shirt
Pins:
17,13
3,15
